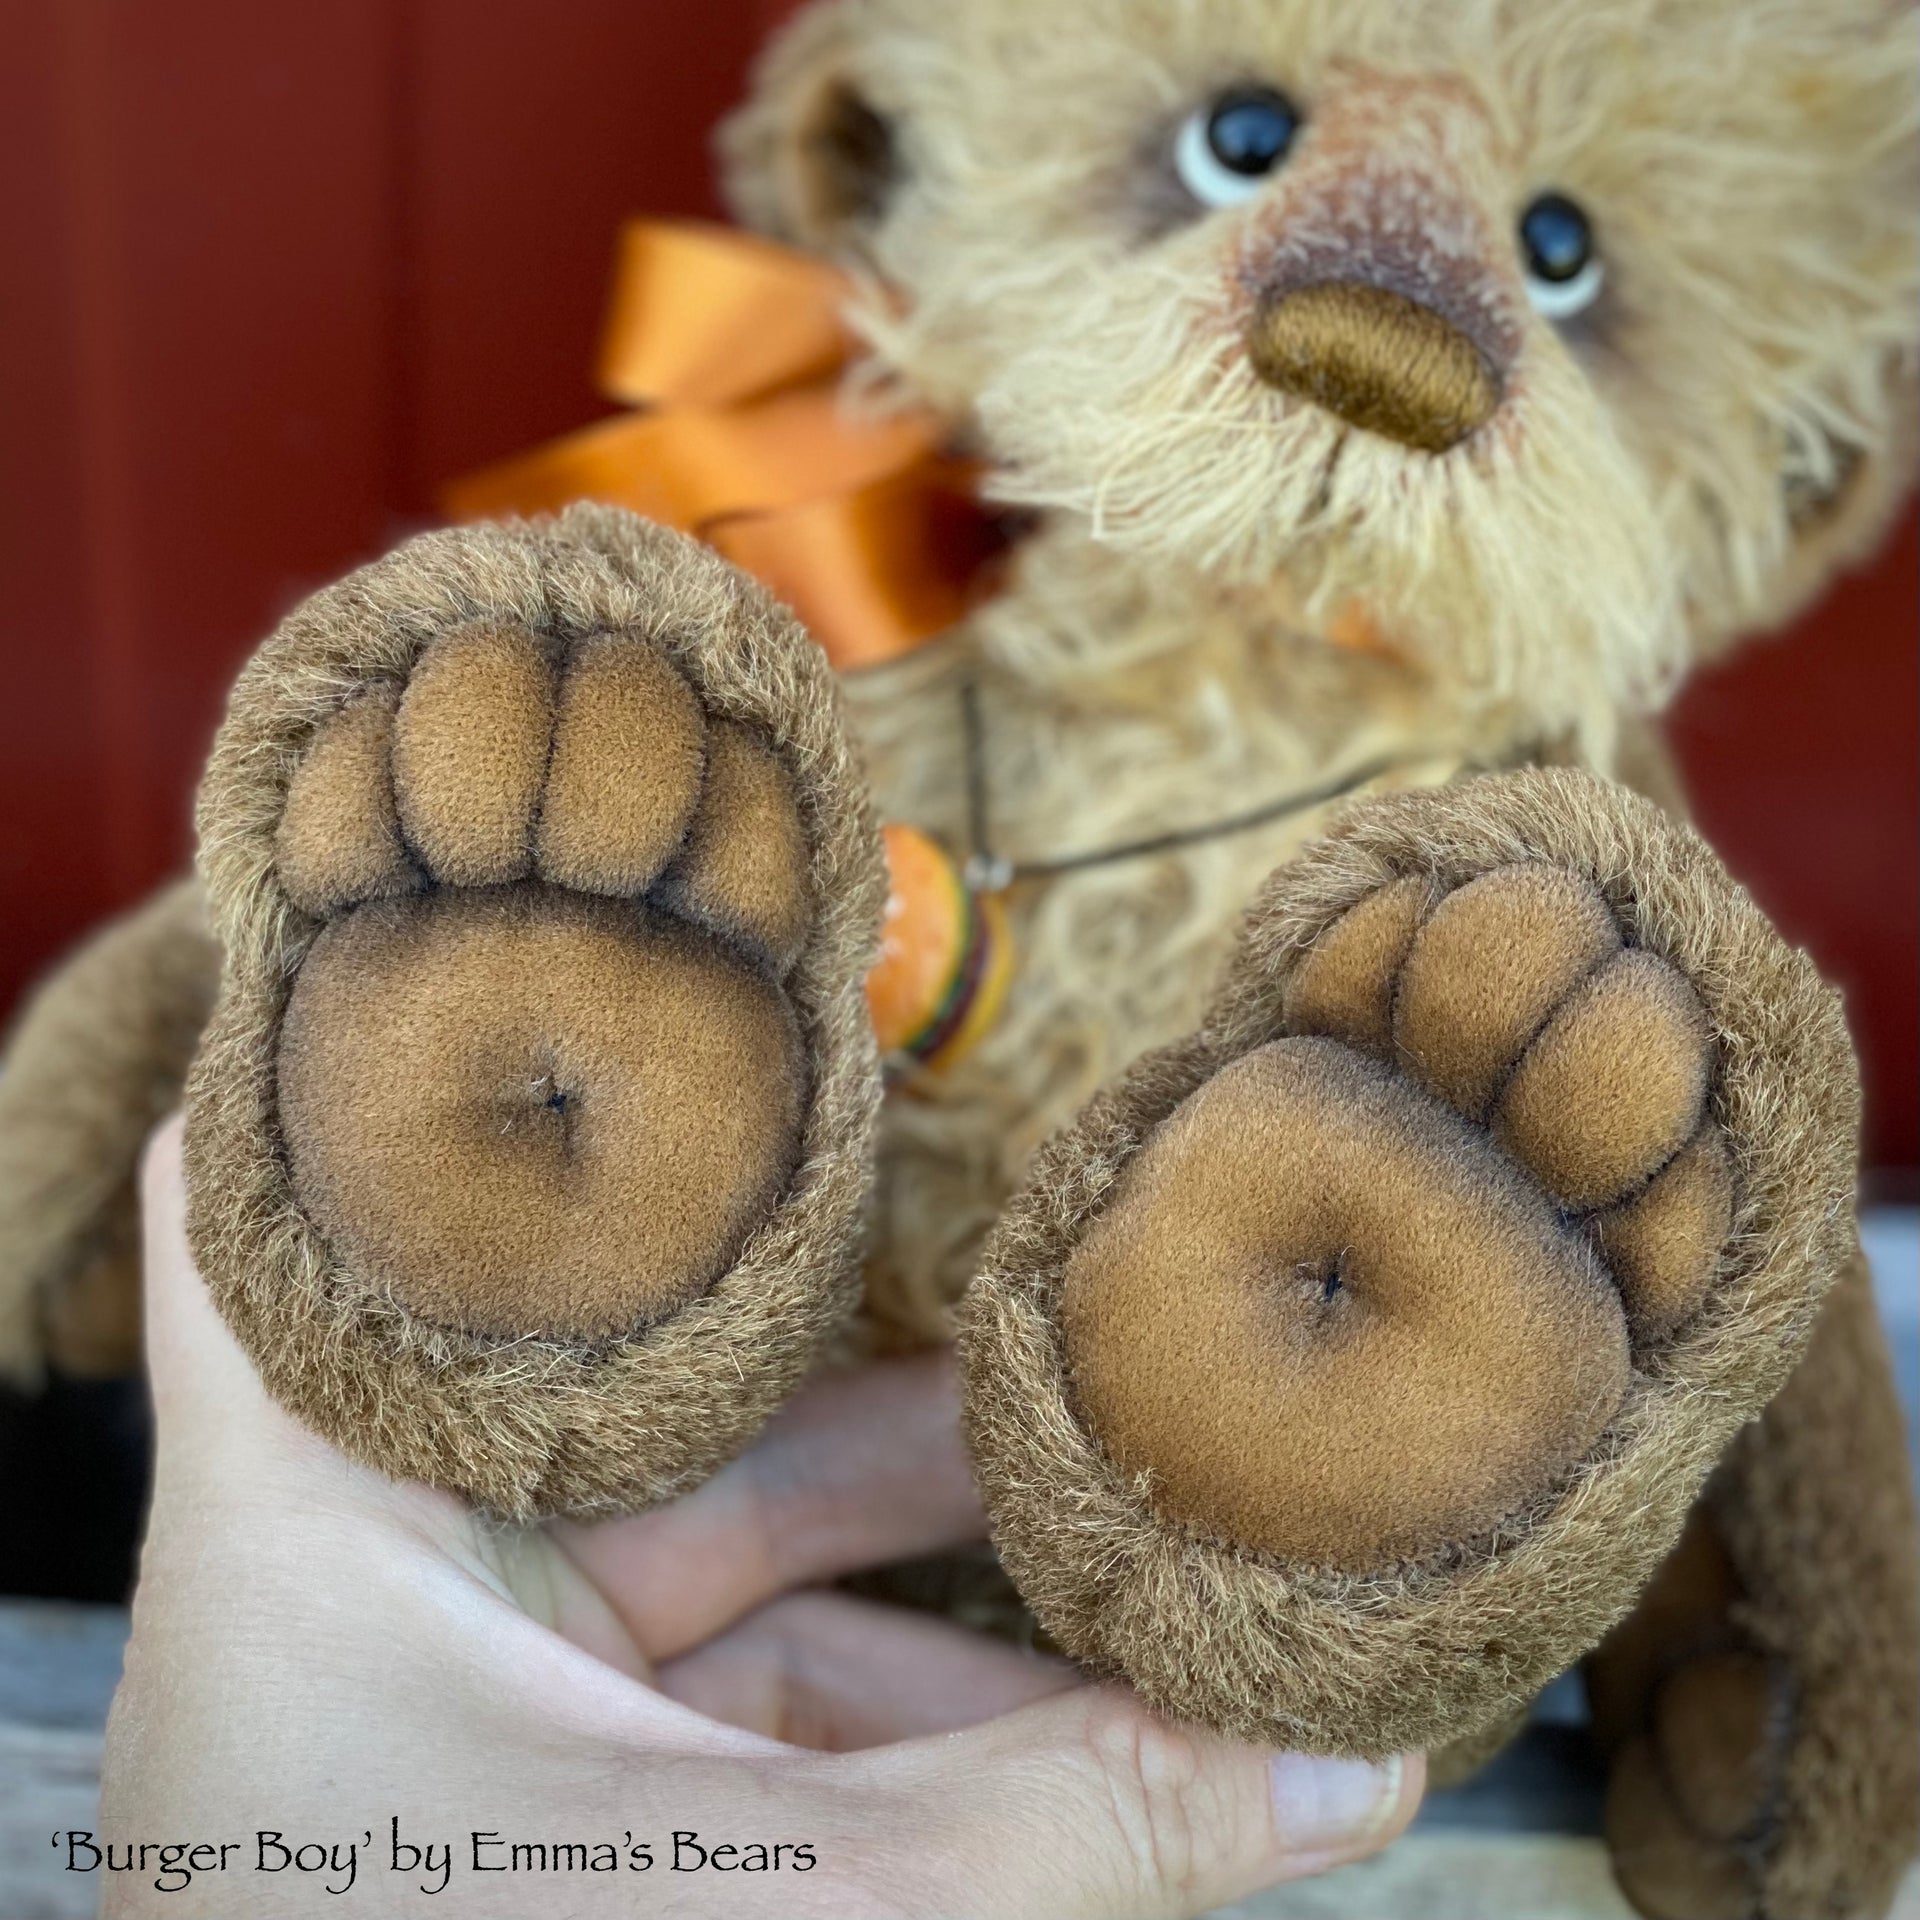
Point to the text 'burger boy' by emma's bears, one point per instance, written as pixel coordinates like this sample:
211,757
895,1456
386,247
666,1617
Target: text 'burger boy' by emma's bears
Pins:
1396,1191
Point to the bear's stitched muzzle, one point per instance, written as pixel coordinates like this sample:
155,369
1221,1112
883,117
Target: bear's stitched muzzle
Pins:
1377,359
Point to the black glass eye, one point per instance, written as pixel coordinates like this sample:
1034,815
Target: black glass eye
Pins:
1250,130
1557,238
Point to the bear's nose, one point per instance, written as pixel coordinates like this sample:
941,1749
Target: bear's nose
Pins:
1377,359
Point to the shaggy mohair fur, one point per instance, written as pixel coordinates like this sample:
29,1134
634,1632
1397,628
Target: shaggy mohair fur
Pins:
529,1421
1684,462
95,1062
1229,592
1421,1653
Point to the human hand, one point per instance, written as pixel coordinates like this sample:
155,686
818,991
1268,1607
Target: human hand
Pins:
318,1651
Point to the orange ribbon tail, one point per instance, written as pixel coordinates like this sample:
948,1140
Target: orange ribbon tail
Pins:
731,351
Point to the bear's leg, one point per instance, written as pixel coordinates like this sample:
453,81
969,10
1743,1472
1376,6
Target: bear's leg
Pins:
97,1059
1762,1702
527,1147
1345,1370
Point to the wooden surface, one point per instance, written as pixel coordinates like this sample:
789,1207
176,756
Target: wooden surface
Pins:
1520,1840
58,1668
1463,1861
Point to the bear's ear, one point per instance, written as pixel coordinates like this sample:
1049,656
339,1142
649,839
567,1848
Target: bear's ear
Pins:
809,159
1840,505
1841,518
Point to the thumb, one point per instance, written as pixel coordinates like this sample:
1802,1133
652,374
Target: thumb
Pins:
223,1446
1091,1804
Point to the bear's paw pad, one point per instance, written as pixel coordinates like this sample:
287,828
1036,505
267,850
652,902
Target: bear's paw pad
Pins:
1376,1287
538,1074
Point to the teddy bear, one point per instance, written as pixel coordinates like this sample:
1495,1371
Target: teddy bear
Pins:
1400,1221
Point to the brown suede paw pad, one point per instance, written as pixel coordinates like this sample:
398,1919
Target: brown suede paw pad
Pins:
1332,1323
508,757
1339,1310
520,1102
526,1111
1514,1000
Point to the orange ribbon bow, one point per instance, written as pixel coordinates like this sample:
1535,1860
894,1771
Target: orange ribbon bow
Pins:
732,350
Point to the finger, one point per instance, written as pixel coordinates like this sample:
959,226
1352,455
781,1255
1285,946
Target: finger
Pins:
1090,1804
826,1670
861,1469
207,1397
222,1443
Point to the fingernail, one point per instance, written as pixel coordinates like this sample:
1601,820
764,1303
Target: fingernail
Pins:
1332,1806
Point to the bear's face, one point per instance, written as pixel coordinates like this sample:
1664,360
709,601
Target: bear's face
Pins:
1557,337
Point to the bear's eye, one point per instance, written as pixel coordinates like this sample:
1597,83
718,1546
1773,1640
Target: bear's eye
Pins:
1229,146
1564,268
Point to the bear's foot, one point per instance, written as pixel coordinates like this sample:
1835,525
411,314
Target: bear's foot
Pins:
1761,1704
1347,1367
538,1074
543,1023
1698,1722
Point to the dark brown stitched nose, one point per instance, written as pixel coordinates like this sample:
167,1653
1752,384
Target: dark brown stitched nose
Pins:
1377,359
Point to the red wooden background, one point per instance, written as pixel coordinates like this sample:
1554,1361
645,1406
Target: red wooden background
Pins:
274,272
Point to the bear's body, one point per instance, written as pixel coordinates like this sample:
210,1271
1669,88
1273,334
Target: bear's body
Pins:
1347,477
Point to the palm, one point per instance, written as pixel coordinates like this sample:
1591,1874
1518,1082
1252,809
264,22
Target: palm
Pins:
709,1600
